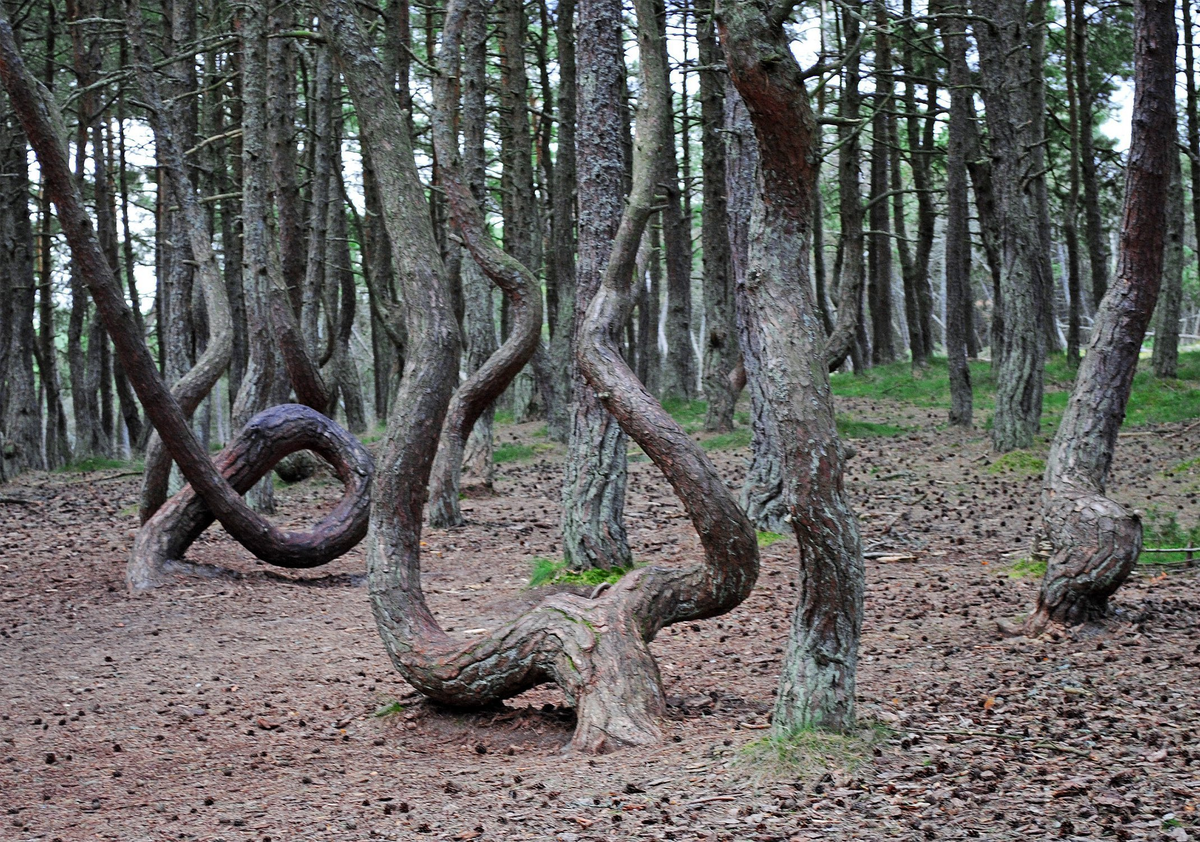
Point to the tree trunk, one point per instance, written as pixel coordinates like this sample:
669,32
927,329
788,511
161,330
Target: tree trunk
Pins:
1097,237
720,341
595,649
1071,201
1193,117
281,129
879,243
958,234
514,278
594,484
817,686
1005,70
1165,356
1095,540
851,280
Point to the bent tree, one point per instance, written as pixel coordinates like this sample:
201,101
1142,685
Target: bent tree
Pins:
817,685
267,438
595,649
1095,540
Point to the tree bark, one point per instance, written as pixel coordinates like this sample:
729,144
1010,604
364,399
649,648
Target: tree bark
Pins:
1193,115
1071,201
1005,69
514,278
958,235
1095,540
1165,355
879,242
594,483
817,685
1097,237
720,342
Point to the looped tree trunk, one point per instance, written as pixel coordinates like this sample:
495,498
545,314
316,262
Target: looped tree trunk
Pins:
44,127
594,649
268,437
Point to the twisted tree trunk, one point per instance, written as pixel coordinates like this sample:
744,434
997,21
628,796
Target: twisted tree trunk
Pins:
1095,540
595,649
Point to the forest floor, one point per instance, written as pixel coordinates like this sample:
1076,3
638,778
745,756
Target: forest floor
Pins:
264,708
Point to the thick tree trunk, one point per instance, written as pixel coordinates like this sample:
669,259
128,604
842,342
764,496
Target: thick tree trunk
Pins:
817,686
958,235
1005,70
594,485
720,341
851,280
1095,540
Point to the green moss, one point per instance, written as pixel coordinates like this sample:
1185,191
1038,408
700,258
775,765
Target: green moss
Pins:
688,414
1026,568
766,539
1023,462
549,571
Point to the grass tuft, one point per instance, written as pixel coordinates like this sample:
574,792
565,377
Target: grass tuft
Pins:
1024,462
728,441
766,539
389,709
515,452
1026,568
549,571
808,754
849,428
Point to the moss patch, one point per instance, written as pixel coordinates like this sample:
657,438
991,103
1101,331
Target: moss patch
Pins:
549,571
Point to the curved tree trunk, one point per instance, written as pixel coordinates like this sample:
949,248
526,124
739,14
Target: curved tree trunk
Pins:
510,274
817,686
595,649
1095,540
43,127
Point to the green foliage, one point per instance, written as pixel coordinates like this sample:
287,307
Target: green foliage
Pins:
1030,463
766,539
389,709
549,571
808,753
1162,529
688,414
503,416
97,463
1027,568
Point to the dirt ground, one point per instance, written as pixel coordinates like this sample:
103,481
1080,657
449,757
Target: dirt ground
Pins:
264,708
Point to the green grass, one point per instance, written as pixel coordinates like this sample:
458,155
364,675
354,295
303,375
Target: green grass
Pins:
97,463
1161,530
849,428
1153,401
728,441
688,414
390,709
1027,568
1029,463
549,571
515,452
503,416
766,539
807,754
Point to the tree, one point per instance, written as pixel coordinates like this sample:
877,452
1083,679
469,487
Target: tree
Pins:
817,685
595,649
1095,540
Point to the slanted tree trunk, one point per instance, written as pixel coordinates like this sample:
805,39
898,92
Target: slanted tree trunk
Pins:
595,649
594,485
720,342
1005,70
511,275
342,528
850,283
817,686
1095,540
1165,356
958,234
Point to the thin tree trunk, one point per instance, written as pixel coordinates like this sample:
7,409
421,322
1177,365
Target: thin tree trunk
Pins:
1097,237
1095,540
1165,356
1193,119
1071,202
879,242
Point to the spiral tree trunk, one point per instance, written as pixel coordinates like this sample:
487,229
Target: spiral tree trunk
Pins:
1095,540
